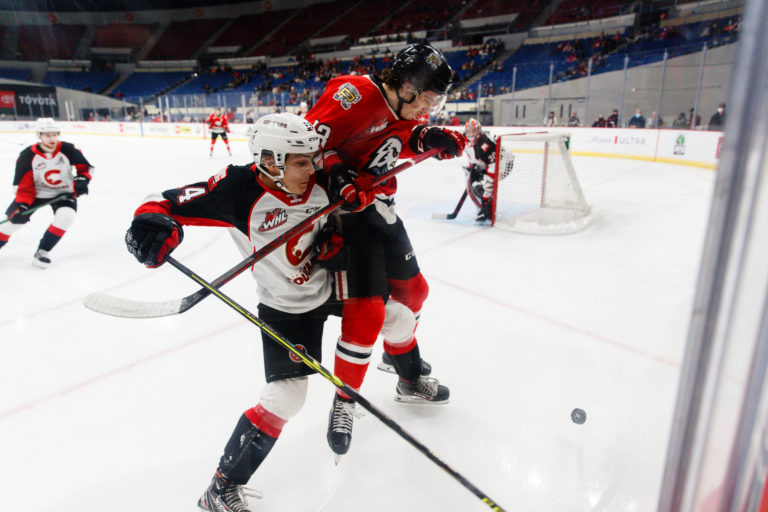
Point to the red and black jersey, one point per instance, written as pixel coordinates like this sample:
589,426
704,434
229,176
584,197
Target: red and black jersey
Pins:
46,175
236,198
218,124
360,128
482,154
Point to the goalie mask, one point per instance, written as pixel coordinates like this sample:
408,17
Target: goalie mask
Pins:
275,136
46,125
418,68
472,129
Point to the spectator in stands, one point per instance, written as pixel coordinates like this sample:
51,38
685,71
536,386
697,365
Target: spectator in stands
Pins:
600,122
550,120
681,121
453,120
717,121
574,120
655,121
638,120
613,119
691,124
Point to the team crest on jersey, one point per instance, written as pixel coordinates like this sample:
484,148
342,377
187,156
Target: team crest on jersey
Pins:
275,218
347,94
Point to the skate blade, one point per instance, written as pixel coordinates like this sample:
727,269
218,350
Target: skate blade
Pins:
406,399
336,459
386,368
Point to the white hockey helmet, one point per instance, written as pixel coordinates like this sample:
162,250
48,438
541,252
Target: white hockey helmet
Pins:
46,125
277,136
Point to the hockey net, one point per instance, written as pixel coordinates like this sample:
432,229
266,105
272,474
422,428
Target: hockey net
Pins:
536,190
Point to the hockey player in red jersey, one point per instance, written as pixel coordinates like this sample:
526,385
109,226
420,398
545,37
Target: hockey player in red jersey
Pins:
481,168
259,202
219,127
367,123
44,172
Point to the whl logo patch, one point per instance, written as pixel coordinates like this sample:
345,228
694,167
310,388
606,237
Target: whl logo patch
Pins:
273,219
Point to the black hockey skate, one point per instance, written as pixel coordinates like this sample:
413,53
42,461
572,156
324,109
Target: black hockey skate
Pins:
387,365
225,496
424,390
41,259
340,425
485,212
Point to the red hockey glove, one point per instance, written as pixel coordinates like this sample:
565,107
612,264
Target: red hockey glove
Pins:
81,184
428,137
17,213
153,236
329,249
356,190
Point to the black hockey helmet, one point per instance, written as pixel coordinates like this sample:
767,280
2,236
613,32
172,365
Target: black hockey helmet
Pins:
424,67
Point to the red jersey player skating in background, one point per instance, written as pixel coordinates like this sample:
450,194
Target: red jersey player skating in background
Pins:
219,127
367,123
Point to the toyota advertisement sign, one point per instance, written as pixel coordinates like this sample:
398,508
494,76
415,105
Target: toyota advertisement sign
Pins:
28,101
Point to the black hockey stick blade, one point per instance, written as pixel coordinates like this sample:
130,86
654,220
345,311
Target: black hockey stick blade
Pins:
333,379
117,306
455,212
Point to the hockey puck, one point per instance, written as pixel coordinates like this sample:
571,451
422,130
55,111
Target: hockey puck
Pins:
578,416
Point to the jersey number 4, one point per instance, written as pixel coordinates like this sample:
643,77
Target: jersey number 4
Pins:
190,193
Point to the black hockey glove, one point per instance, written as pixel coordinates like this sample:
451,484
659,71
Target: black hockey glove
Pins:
329,250
347,185
428,137
153,236
81,185
17,213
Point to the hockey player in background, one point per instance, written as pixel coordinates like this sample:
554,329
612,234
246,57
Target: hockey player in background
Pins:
258,202
481,168
219,127
44,172
367,123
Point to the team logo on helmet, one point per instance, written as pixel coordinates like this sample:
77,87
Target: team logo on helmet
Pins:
347,94
433,61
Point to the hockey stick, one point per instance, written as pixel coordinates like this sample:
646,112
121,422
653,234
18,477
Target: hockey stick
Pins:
30,211
455,212
117,306
315,365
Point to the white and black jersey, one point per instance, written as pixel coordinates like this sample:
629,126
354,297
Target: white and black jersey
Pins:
236,198
481,154
44,175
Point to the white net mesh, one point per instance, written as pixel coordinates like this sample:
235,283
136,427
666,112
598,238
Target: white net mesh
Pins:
537,190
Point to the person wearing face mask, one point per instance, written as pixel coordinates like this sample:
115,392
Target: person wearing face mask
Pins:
637,121
717,121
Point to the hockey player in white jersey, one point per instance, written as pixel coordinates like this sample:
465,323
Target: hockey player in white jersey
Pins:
258,202
44,177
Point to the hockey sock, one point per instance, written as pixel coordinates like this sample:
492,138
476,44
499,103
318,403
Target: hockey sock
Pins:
361,322
408,364
245,451
51,238
227,144
4,239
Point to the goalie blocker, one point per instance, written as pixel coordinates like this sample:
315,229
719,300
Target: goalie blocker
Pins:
536,190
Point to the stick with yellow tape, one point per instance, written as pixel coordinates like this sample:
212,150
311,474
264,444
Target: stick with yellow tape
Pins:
315,365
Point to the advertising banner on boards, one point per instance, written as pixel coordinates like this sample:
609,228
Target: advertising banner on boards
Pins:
28,101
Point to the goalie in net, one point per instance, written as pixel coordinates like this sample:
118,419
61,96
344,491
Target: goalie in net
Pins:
536,190
481,168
